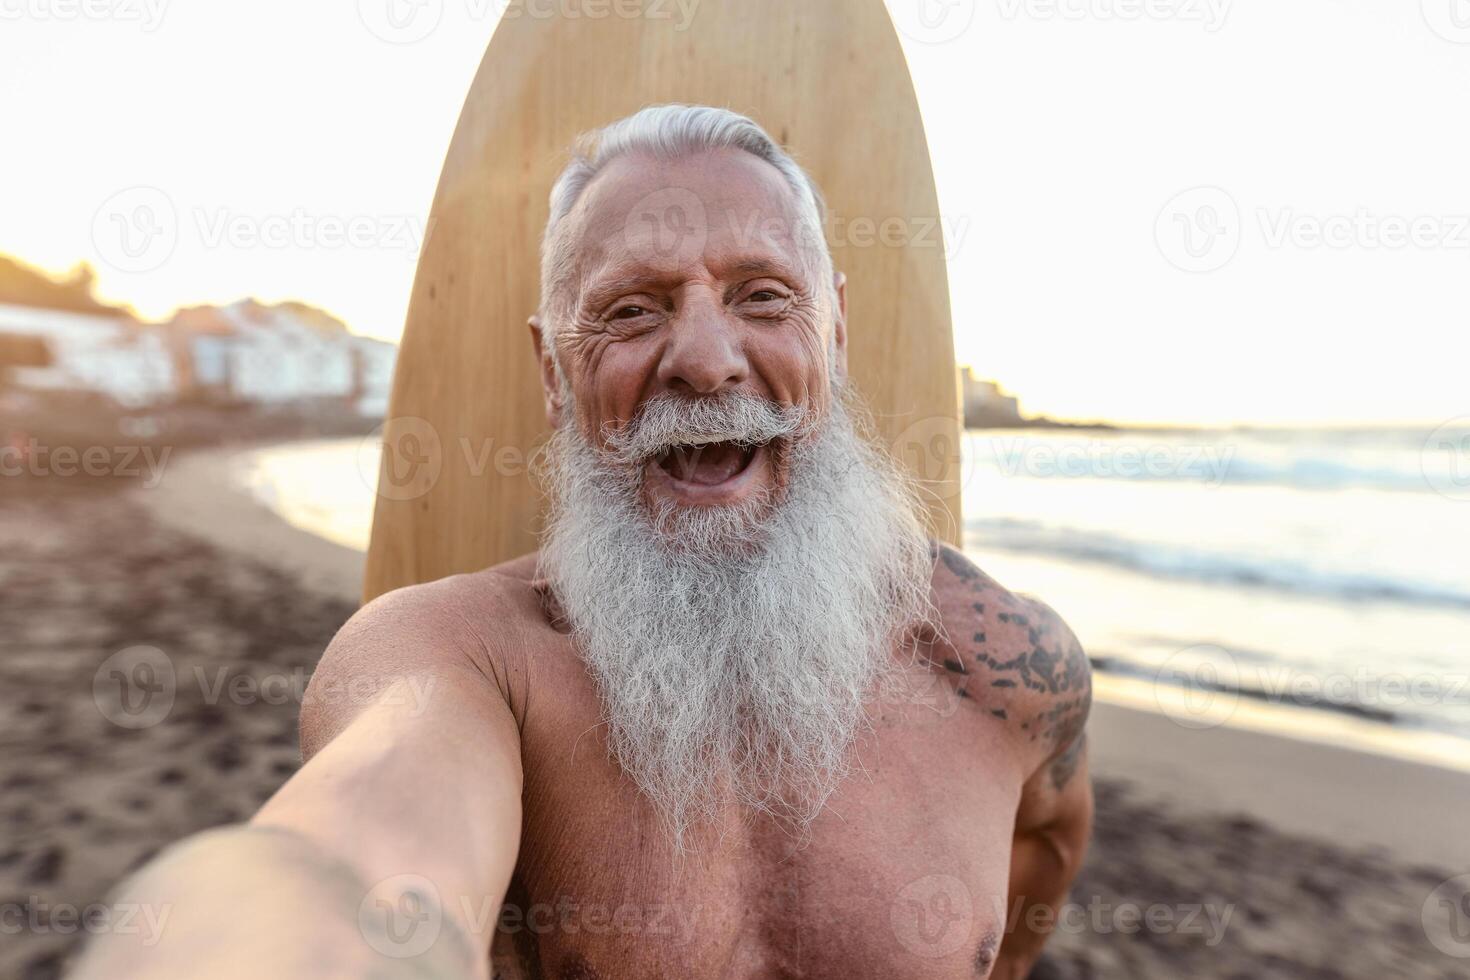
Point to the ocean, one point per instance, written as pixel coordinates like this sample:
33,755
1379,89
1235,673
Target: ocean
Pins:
1312,581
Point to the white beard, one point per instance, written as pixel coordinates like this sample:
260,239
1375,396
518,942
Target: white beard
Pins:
735,648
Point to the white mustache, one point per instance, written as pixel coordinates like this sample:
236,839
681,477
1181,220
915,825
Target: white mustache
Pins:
667,421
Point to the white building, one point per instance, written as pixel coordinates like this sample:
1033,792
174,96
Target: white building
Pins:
274,356
110,355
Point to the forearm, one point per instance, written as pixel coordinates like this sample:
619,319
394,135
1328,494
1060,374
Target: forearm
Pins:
248,902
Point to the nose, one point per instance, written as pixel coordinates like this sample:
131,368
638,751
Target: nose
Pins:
703,355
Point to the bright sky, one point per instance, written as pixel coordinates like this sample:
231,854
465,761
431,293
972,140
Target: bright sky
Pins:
1063,134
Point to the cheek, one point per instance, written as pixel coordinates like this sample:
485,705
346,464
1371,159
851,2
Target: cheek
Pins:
613,379
793,364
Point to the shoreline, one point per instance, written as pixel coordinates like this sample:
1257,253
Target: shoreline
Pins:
1353,783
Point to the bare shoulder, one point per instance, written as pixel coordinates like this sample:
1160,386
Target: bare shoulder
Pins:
470,631
1012,657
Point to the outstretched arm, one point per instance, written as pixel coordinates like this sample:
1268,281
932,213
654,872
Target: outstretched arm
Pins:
387,855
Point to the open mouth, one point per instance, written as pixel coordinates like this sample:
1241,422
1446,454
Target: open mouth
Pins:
710,464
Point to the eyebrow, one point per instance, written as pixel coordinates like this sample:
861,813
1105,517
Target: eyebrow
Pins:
755,267
606,285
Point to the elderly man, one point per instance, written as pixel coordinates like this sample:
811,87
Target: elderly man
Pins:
738,718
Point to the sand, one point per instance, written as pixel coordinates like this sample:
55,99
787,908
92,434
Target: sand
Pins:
1269,856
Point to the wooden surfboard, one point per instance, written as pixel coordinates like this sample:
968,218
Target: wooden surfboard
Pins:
826,78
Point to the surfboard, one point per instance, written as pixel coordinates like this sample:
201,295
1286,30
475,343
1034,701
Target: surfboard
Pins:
826,78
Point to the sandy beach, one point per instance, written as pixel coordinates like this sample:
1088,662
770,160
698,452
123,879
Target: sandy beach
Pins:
1268,856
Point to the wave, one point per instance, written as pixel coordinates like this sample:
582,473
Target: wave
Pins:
1180,562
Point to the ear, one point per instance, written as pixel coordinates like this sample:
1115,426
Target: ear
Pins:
839,325
550,383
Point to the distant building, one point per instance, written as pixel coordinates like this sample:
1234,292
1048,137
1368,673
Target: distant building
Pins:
986,405
272,356
245,354
51,350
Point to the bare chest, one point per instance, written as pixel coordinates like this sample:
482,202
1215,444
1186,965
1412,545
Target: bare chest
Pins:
904,873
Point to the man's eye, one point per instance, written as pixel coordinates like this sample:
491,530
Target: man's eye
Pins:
628,312
763,296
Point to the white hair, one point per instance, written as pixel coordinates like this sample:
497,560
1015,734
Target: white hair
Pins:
736,649
667,132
